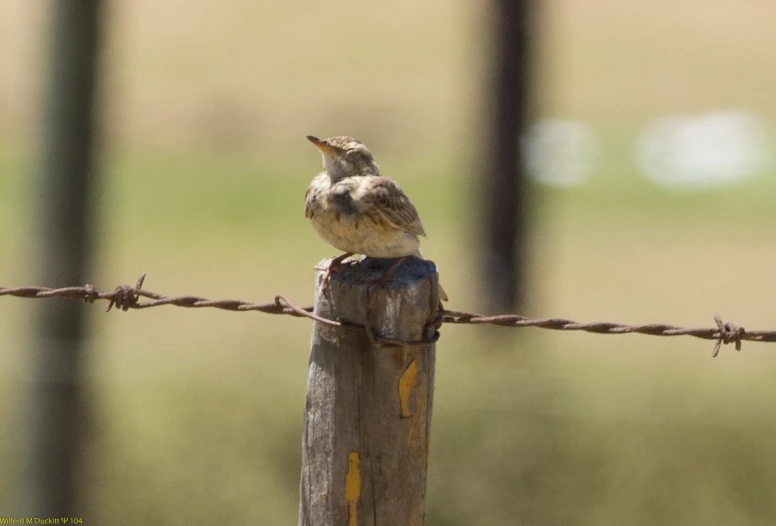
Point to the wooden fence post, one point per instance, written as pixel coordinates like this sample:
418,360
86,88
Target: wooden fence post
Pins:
57,412
368,410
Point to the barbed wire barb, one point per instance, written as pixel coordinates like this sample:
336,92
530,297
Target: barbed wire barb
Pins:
126,297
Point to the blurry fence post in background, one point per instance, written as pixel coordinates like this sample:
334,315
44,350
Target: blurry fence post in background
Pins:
368,410
505,205
55,413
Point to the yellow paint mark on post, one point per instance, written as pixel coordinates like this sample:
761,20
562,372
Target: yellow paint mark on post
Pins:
352,488
406,385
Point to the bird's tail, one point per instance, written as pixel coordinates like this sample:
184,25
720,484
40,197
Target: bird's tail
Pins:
442,293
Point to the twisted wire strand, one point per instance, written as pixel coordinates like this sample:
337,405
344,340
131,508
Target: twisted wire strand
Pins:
126,297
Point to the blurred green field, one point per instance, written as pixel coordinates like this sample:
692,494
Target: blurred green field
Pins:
205,406
197,413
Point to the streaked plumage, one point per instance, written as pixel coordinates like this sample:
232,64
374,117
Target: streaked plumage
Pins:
356,210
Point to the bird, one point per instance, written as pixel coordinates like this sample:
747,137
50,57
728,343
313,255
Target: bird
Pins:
358,211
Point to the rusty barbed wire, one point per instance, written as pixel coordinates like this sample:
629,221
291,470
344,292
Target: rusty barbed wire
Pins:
126,297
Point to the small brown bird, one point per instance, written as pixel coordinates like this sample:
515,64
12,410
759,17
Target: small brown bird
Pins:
357,211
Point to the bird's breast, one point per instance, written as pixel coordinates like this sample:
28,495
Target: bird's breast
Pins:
343,220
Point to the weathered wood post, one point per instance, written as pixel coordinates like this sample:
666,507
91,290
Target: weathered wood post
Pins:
368,410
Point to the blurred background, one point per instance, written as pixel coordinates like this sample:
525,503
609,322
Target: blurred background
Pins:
648,140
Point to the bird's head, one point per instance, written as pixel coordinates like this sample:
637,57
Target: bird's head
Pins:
345,157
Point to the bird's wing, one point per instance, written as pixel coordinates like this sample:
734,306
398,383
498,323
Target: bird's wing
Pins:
384,197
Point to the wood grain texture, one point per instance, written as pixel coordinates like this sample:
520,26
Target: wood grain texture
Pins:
368,410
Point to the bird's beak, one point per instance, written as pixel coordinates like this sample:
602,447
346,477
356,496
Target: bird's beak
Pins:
322,145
